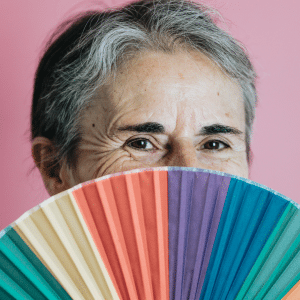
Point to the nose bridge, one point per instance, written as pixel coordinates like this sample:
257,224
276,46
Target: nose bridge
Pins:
183,154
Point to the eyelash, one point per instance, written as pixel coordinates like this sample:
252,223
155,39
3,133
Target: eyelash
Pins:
216,141
139,139
210,141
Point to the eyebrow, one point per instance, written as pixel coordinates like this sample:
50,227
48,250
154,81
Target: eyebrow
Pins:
149,127
219,128
153,127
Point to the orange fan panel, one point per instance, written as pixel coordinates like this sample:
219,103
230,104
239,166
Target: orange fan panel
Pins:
129,223
92,210
119,211
294,293
154,185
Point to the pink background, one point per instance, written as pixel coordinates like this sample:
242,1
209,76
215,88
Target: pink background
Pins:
269,29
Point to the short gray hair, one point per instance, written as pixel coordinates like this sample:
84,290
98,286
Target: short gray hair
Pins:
87,49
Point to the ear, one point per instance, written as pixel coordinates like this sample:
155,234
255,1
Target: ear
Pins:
55,175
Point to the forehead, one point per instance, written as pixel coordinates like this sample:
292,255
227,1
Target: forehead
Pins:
163,84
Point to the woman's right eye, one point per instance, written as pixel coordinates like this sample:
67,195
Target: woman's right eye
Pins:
141,144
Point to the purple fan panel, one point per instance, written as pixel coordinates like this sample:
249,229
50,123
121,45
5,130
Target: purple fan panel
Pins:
196,200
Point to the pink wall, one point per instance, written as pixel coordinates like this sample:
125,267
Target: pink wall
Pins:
269,29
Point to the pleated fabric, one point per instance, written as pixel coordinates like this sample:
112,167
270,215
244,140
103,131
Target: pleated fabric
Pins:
57,233
23,275
130,230
196,201
248,218
160,233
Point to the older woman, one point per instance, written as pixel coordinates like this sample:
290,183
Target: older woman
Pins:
155,83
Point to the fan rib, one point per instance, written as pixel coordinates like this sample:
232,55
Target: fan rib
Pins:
83,206
162,233
205,228
37,240
213,206
264,272
254,282
109,205
70,243
182,224
251,233
139,226
286,273
12,287
160,179
233,208
19,261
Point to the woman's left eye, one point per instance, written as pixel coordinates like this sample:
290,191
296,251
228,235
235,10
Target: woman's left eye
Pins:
141,144
214,145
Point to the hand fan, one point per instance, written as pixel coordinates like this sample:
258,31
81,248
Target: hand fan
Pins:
160,233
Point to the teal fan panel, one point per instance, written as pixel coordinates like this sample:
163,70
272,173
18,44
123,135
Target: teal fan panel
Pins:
249,216
23,275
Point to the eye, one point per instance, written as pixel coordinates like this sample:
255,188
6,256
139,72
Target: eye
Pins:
141,144
214,145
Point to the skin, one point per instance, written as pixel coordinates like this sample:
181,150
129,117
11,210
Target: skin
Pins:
185,94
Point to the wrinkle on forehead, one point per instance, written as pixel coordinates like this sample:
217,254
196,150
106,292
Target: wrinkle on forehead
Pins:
184,92
140,78
149,64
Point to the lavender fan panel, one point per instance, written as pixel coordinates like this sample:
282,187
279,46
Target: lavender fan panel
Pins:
196,200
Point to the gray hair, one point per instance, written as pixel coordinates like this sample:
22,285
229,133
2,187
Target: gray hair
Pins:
86,50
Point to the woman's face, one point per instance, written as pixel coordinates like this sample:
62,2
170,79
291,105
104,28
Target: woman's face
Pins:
164,110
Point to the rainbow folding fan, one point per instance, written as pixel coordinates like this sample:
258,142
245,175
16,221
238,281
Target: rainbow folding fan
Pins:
155,234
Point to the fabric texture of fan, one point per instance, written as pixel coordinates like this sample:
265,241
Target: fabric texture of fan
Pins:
159,233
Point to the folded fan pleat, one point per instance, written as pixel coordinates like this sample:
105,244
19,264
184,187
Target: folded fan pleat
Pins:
154,187
249,216
4,295
130,230
165,233
14,288
23,275
286,273
195,205
271,267
55,231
